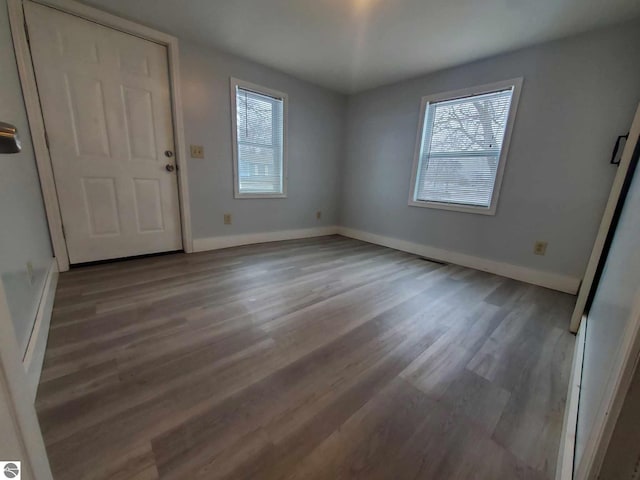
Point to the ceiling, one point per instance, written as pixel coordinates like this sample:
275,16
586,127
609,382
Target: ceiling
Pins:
353,45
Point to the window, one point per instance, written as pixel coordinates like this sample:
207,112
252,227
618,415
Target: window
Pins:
258,117
462,146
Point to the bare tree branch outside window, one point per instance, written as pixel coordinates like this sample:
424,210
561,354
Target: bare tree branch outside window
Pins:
461,148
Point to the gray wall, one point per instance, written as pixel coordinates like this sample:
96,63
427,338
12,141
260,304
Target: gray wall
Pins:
316,134
24,235
578,95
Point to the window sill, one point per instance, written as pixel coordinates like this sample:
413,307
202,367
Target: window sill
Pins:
453,207
241,196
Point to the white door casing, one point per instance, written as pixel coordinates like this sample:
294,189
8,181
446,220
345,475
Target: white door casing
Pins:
605,224
106,104
612,338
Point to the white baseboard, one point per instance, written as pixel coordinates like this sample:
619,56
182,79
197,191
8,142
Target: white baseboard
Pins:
34,356
566,452
554,281
216,243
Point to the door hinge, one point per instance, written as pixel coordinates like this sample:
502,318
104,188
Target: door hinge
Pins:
64,233
46,139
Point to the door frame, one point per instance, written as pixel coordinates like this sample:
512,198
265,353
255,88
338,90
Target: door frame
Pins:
35,117
24,435
592,271
625,360
616,390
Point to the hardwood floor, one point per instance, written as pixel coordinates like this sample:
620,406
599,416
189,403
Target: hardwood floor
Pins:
324,358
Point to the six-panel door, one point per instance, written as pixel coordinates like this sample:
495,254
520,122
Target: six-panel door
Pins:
107,110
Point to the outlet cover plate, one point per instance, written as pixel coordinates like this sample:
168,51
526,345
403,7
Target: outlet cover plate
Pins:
540,248
197,151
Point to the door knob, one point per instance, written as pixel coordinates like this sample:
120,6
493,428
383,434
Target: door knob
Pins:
168,153
170,168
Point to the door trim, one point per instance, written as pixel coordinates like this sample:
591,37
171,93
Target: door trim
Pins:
626,358
605,224
566,451
616,391
17,399
36,121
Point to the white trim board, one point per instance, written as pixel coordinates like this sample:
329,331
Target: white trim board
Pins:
226,241
16,402
34,356
566,453
621,375
36,125
554,281
36,122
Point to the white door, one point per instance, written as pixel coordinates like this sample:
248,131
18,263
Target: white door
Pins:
107,111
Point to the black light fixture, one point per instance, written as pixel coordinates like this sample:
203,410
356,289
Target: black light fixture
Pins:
9,141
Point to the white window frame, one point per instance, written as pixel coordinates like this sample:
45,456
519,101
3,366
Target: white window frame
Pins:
236,83
516,84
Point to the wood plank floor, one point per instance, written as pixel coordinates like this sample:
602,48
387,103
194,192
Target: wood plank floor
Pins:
324,358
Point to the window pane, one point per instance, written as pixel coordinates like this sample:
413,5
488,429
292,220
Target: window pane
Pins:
259,169
460,149
462,180
260,142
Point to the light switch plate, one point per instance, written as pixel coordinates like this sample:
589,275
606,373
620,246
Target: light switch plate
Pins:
197,151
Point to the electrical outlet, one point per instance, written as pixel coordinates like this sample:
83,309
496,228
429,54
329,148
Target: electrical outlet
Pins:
30,273
197,151
318,215
540,247
227,219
